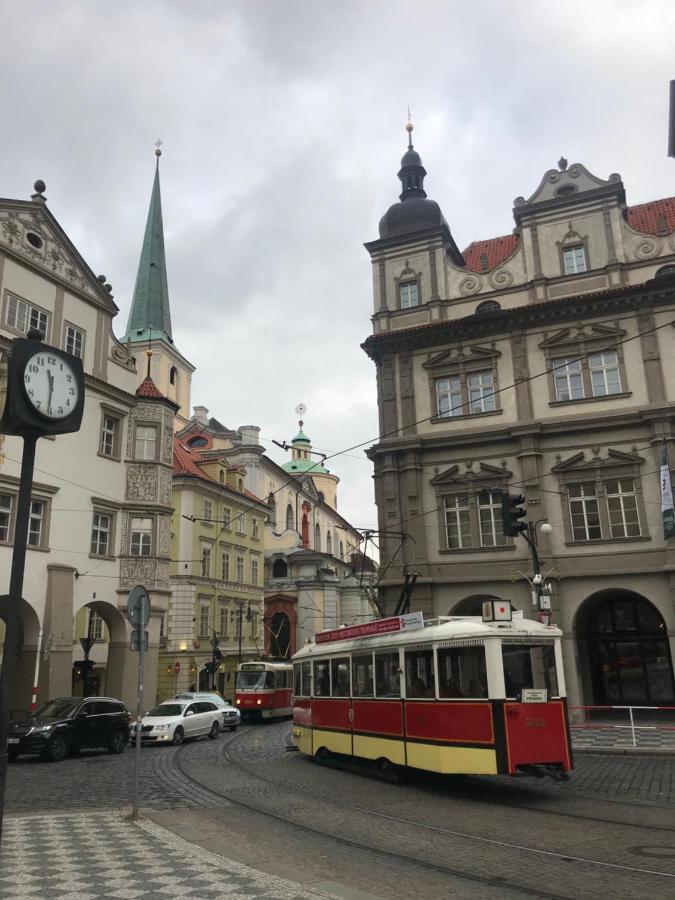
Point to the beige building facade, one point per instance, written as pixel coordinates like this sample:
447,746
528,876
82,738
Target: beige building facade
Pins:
535,363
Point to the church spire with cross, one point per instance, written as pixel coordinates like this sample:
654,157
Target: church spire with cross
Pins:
150,316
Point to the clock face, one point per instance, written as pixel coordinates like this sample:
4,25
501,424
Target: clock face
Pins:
50,384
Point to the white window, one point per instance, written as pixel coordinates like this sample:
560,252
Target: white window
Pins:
227,517
208,511
222,621
254,624
206,561
584,512
475,394
204,620
95,626
241,523
574,260
225,565
35,523
22,316
6,505
457,522
568,379
481,392
624,520
74,340
605,376
408,294
490,519
255,533
240,570
141,537
254,571
109,436
449,396
146,442
100,535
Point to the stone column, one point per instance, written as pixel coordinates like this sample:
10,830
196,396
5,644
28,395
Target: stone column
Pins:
57,675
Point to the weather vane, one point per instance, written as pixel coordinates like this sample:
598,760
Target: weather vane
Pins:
158,144
300,410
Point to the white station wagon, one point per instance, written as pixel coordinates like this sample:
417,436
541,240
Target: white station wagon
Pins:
174,721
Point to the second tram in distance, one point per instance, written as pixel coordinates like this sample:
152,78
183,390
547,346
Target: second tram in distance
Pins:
451,695
263,689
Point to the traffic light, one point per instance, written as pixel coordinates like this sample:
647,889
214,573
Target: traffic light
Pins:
512,510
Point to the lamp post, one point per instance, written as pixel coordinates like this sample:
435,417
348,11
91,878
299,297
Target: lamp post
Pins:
537,579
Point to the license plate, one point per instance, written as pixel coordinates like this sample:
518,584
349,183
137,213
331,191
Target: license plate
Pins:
12,740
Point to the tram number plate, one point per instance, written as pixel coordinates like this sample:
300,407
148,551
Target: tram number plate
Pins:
534,695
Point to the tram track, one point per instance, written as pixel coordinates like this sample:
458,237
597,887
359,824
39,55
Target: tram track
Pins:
501,882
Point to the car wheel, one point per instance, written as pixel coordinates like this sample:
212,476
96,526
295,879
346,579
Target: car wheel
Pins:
215,729
118,742
57,748
233,727
178,736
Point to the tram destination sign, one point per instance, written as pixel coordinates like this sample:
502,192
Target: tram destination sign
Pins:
408,622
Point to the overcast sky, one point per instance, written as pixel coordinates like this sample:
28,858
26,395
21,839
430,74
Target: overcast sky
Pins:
283,128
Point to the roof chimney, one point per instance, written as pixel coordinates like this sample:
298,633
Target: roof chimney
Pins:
201,415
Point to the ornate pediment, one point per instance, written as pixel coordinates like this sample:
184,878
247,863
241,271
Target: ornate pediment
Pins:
30,232
461,356
566,182
471,478
581,334
579,463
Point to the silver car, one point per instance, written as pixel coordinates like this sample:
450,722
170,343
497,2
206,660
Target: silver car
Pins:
174,721
231,715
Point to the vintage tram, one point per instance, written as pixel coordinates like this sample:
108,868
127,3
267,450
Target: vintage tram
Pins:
263,689
466,694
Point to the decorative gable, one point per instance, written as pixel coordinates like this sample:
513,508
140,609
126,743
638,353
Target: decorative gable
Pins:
31,233
579,465
462,356
486,474
582,334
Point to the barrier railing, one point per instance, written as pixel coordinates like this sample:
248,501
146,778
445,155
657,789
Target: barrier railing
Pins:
641,721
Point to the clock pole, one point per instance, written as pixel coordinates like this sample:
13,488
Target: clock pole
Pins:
11,645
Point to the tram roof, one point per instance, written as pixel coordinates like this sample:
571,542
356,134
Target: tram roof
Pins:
444,628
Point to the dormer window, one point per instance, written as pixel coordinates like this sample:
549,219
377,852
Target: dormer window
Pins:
407,294
574,259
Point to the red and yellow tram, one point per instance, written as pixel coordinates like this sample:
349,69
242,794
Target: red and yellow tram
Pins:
263,689
451,695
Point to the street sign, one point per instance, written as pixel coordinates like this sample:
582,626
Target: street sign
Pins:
176,667
87,643
135,643
138,606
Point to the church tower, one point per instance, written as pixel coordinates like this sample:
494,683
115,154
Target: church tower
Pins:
303,461
149,325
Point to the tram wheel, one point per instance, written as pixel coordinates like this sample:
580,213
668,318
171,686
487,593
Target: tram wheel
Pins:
390,771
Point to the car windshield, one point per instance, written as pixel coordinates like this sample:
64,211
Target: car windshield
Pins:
249,681
55,709
166,709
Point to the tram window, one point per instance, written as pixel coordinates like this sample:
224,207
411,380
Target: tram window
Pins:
462,672
321,678
362,675
269,681
281,680
340,676
387,681
419,673
297,681
306,679
529,666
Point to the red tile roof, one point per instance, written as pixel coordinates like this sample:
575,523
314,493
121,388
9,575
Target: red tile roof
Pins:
657,217
185,462
149,389
483,256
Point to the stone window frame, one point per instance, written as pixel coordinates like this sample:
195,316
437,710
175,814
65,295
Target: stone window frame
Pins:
225,570
255,563
599,472
83,338
155,426
105,507
469,485
445,366
40,493
208,505
111,412
571,240
408,276
142,514
582,346
12,295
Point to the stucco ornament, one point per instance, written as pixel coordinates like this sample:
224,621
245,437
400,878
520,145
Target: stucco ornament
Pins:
472,284
141,482
500,278
163,536
647,249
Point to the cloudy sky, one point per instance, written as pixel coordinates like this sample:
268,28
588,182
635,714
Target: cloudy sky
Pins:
282,123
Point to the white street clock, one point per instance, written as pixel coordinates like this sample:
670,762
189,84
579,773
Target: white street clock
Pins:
51,385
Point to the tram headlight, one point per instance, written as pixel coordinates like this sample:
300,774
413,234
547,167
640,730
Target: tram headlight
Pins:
238,701
258,701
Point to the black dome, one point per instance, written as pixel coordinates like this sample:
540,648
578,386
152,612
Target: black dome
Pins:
411,214
411,158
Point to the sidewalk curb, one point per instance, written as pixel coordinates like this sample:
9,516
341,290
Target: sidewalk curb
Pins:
624,751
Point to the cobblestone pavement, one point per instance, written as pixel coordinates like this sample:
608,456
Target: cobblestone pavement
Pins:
84,857
619,737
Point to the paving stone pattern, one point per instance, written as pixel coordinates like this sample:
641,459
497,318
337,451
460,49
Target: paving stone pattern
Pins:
621,738
103,855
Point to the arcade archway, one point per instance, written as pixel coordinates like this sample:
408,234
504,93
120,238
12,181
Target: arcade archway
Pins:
624,644
471,606
26,672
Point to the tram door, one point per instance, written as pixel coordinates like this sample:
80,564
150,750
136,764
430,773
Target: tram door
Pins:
331,706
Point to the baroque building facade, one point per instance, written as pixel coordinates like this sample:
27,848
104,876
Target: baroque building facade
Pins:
101,497
533,363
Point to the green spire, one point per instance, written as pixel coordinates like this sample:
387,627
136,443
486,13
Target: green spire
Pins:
150,317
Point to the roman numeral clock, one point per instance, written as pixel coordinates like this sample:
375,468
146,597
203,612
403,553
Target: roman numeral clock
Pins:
41,389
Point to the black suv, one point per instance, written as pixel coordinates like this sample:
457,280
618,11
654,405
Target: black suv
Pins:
69,724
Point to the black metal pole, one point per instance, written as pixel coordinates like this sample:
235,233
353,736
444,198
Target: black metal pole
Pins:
11,645
536,563
240,614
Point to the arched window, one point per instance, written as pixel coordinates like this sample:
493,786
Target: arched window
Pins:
173,375
280,637
329,543
197,442
665,272
279,569
342,550
290,518
488,306
317,537
221,476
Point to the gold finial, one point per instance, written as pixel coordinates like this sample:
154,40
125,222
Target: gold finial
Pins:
409,128
158,144
148,353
